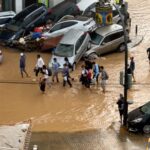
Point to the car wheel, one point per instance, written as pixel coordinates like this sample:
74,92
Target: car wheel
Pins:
93,56
121,48
146,129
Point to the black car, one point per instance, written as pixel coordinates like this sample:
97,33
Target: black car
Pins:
25,21
62,9
139,119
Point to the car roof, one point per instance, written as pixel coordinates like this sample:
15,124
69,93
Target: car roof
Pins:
83,4
71,36
108,29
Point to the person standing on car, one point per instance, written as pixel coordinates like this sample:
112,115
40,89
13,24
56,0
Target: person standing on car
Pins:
132,67
55,70
1,57
39,65
22,65
66,76
148,54
104,77
120,104
96,71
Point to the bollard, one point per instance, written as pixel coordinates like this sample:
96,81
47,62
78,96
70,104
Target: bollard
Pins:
129,81
121,78
136,30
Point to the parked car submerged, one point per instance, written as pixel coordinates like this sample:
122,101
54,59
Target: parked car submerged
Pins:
139,119
55,34
73,45
23,22
105,40
5,17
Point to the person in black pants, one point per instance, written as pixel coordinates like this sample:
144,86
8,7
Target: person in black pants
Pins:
120,104
148,54
66,75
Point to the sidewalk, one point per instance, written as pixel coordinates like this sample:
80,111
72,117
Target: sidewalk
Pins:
15,137
135,41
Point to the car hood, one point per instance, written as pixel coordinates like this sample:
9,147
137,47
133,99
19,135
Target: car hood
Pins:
134,114
60,60
6,34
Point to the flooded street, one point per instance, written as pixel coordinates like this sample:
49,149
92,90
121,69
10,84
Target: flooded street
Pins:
78,118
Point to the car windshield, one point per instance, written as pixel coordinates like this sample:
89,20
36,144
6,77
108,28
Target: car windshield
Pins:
64,50
96,38
146,108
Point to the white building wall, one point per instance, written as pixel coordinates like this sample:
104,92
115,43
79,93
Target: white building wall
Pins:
55,2
19,5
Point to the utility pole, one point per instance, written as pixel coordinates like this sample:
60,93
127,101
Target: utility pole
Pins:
125,69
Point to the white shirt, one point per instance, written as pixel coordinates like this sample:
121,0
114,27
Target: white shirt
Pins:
46,74
40,63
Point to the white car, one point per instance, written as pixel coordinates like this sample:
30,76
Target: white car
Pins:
64,25
73,46
88,8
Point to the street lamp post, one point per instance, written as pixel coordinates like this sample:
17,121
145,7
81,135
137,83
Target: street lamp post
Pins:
125,69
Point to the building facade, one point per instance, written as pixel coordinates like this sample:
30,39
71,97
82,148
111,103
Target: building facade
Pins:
18,5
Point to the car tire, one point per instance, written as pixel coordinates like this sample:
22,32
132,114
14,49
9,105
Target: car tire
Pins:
146,129
121,48
93,56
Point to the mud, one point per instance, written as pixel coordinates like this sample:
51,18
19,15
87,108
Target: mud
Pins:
65,112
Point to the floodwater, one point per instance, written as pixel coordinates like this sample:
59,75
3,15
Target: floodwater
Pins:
78,118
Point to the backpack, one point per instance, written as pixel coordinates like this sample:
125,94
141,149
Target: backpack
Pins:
49,71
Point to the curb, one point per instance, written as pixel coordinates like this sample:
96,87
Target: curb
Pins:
135,41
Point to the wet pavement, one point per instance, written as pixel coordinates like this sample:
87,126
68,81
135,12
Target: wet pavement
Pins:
78,118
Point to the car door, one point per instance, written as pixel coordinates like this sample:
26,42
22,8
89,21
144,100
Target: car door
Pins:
107,44
80,47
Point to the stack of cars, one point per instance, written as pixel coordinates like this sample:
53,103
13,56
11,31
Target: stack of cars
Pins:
65,19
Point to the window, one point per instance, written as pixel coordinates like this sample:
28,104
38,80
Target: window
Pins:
113,36
56,27
78,44
68,24
96,38
64,50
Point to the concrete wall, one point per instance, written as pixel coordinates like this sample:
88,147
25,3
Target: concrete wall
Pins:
19,5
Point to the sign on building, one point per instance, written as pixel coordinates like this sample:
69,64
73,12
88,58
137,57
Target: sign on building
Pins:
103,14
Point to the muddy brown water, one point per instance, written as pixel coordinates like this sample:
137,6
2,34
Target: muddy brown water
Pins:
69,118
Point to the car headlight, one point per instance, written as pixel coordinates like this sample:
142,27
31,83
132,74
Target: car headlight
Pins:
138,120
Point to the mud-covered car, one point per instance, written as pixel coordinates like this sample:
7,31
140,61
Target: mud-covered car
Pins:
24,22
105,40
73,45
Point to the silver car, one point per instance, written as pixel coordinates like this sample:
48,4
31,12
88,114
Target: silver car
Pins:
106,39
73,46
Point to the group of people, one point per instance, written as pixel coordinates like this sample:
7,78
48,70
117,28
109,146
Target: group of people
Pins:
91,71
